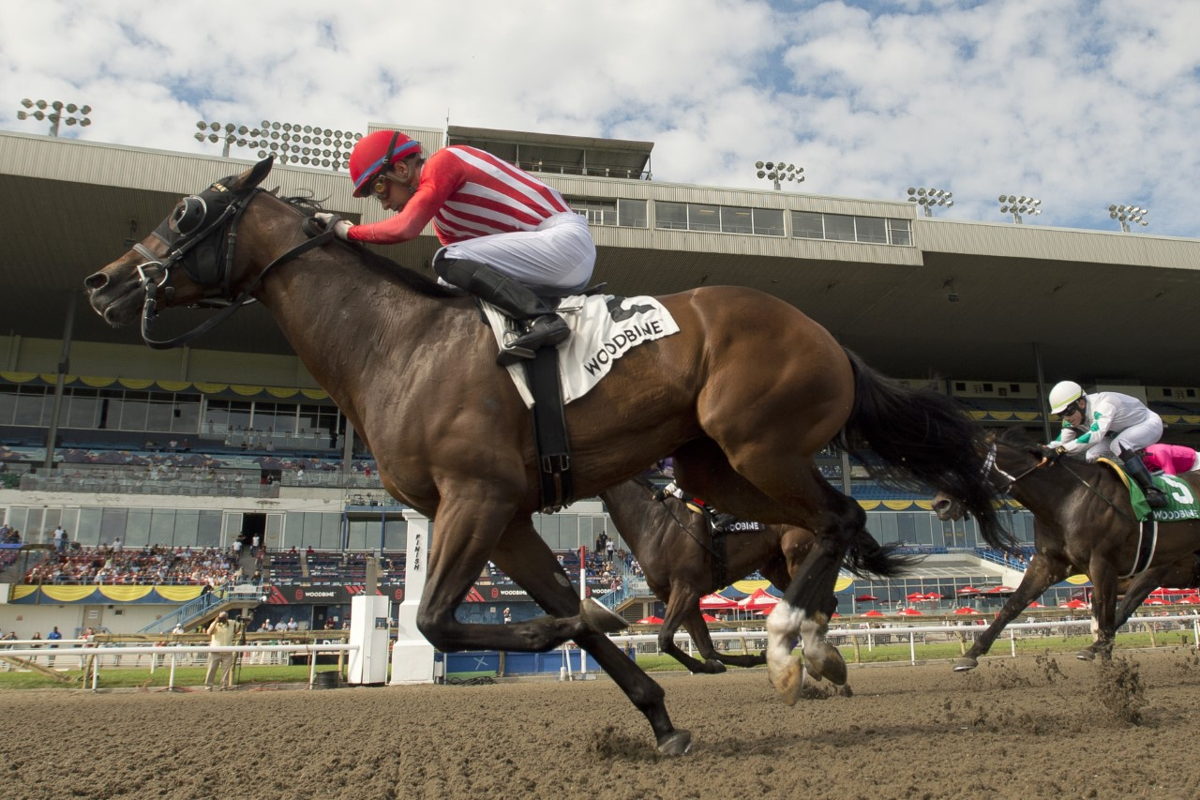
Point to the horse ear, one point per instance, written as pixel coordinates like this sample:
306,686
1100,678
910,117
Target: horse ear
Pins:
254,176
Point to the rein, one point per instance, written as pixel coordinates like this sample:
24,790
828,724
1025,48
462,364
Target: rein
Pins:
990,465
155,273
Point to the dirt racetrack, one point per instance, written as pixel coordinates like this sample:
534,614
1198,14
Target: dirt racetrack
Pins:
1044,727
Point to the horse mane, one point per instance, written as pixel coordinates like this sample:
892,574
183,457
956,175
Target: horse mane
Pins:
1015,437
382,265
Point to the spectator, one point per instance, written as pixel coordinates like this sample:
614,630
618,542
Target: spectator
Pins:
292,624
59,533
220,634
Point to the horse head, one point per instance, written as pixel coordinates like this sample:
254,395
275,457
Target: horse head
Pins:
186,260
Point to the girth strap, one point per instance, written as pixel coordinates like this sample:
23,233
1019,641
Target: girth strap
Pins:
550,429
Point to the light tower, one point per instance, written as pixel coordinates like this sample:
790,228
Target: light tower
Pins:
927,198
1018,206
52,110
1128,215
778,172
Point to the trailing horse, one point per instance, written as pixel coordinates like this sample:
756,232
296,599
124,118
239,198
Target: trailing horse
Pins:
683,560
1083,523
743,397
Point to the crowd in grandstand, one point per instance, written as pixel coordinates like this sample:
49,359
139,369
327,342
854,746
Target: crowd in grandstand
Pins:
155,565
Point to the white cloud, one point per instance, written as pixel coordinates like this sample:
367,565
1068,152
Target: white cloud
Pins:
1079,102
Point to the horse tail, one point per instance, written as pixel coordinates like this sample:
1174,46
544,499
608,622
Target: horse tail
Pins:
917,439
866,557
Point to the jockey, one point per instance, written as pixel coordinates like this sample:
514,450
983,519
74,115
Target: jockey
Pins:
507,237
720,520
1171,459
1106,424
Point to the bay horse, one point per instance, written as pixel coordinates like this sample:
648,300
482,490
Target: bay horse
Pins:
682,562
742,398
1083,523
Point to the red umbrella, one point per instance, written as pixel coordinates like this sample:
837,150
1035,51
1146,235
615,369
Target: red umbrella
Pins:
709,618
866,598
933,596
912,612
717,601
758,601
874,612
1073,604
1191,599
996,590
1036,604
915,597
1163,591
965,610
650,620
968,589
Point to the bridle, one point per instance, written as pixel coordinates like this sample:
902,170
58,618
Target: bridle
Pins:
190,235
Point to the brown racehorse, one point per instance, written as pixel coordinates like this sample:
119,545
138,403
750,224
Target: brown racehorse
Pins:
1083,523
743,397
682,562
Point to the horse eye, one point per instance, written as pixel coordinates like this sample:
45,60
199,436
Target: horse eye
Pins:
188,215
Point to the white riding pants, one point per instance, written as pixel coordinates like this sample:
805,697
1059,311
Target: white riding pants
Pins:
555,259
1135,437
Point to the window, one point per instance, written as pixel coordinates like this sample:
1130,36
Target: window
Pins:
703,217
871,230
736,220
672,216
839,227
900,231
32,406
768,221
807,225
631,213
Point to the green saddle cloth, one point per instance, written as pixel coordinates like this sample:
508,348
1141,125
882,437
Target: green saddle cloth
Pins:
1181,498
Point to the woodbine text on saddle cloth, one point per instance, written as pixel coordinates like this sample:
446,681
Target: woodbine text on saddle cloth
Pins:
603,328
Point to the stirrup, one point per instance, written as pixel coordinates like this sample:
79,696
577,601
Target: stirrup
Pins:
1155,497
552,331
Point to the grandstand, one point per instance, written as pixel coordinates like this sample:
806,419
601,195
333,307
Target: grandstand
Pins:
232,439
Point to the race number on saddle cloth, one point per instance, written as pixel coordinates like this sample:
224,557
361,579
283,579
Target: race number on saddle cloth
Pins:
603,328
1181,498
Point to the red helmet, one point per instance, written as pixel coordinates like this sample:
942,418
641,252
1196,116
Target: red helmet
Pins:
374,153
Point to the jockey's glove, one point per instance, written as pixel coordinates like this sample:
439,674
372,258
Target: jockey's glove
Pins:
340,226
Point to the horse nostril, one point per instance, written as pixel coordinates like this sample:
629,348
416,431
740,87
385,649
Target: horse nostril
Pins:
97,280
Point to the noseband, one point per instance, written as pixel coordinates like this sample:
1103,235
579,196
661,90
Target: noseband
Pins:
200,236
990,465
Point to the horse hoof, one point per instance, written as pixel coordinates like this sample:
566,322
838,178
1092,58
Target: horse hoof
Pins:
675,743
713,667
965,664
1086,655
600,619
829,665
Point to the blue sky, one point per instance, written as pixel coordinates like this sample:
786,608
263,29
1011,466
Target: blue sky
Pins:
1080,103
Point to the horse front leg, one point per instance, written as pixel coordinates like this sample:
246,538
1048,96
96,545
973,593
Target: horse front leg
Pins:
465,536
1104,603
1139,589
1042,573
528,560
683,609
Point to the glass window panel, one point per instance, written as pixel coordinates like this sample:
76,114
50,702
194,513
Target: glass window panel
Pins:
113,524
871,230
208,529
901,231
331,531
672,216
186,522
186,414
360,533
137,530
32,406
134,411
808,225
768,221
88,530
631,213
8,404
162,527
395,535
703,217
839,227
82,409
736,220
158,413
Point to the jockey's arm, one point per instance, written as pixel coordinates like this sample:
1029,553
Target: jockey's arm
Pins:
440,178
1098,427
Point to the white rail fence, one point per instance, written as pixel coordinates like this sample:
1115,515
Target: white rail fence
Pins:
170,657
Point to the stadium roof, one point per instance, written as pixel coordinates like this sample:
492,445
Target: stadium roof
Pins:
967,300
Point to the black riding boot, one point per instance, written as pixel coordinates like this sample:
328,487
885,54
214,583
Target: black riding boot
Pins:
543,327
1137,470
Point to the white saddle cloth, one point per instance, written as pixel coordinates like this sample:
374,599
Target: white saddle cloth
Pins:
597,338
